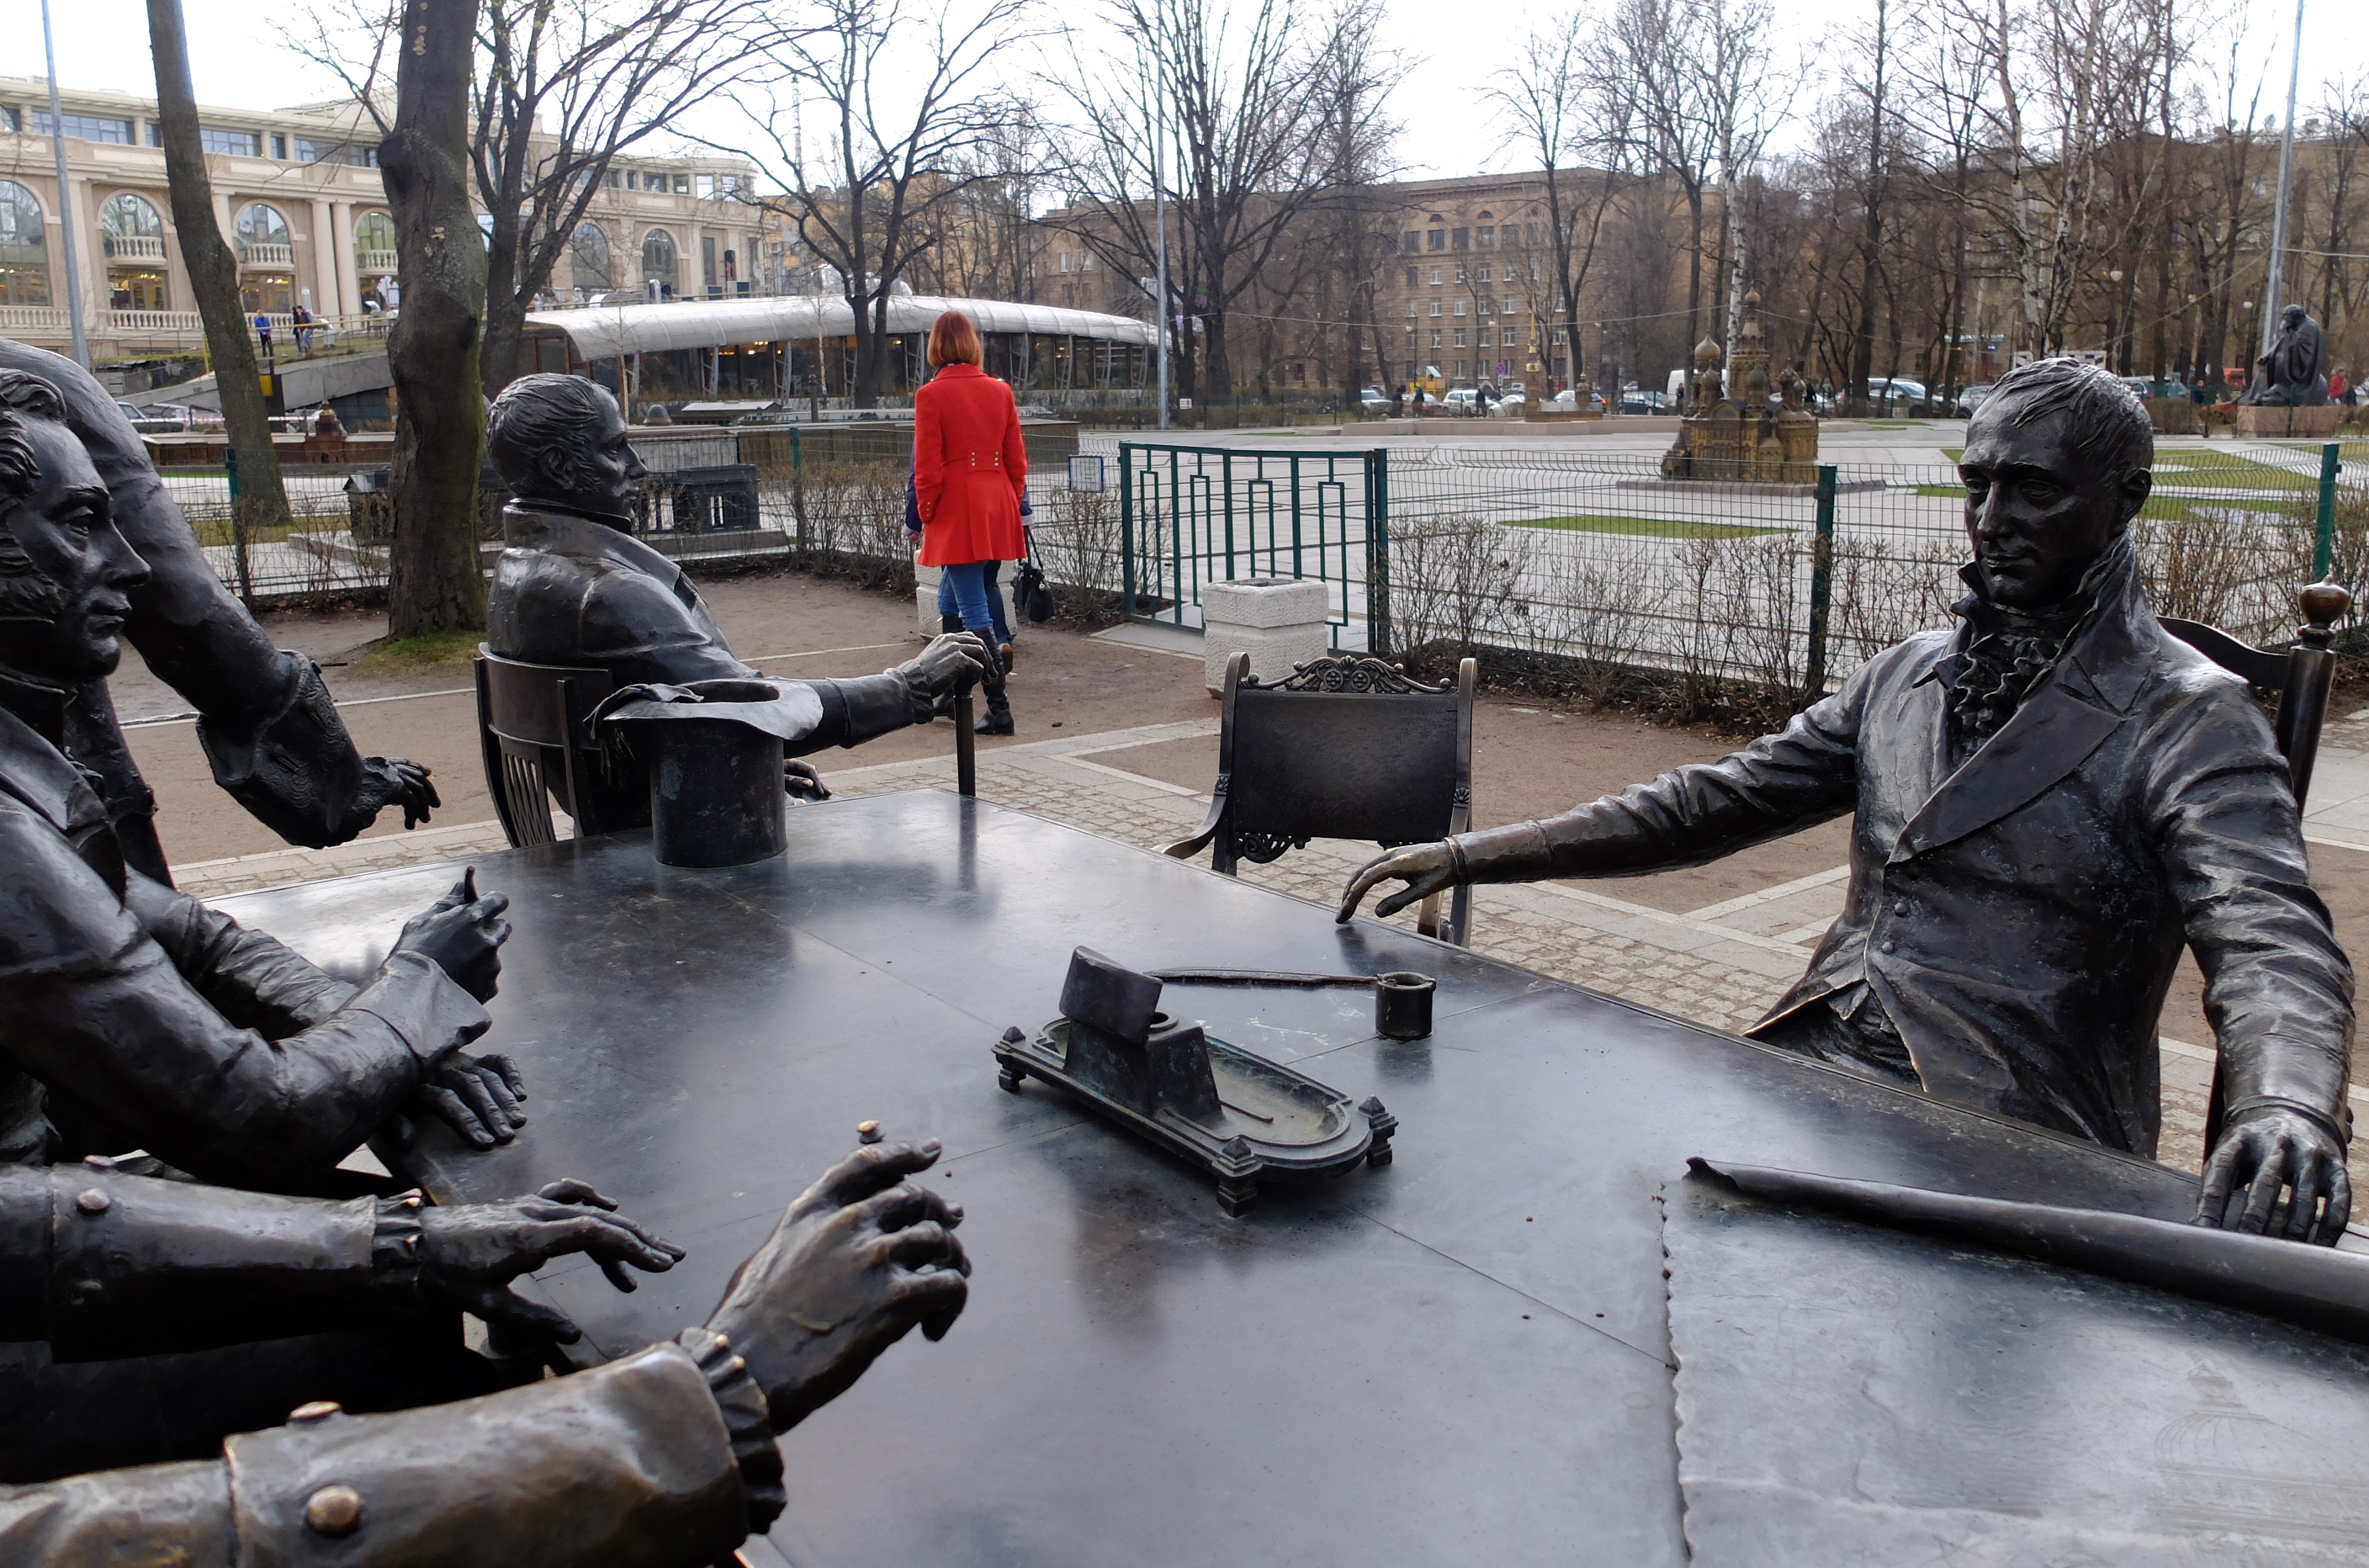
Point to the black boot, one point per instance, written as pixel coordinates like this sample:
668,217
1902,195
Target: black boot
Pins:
998,702
950,623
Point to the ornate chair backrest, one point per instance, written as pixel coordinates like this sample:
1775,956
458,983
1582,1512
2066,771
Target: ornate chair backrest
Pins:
531,732
2302,676
1341,749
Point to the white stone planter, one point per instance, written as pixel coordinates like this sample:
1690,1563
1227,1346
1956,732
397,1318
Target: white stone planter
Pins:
1279,621
925,598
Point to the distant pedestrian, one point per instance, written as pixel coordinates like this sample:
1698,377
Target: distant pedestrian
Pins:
263,332
2340,388
301,320
971,471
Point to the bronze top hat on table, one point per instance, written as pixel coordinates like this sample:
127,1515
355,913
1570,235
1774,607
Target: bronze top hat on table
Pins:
713,751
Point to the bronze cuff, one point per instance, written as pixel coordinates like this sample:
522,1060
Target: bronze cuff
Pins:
396,1239
2343,1132
1519,852
747,1420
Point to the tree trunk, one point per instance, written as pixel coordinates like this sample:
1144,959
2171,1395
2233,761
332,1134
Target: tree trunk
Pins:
1694,267
213,282
434,581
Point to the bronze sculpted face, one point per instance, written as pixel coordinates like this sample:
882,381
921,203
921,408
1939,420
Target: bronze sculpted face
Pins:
561,440
65,572
2054,471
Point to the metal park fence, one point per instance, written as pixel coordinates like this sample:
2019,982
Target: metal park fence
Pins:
1552,551
1786,589
1599,561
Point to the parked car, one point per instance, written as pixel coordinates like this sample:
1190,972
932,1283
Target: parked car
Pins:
1970,398
168,418
1463,400
1636,400
1374,400
1514,401
1897,393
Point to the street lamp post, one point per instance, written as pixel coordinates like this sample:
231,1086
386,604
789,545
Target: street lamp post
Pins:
2279,212
65,199
2115,358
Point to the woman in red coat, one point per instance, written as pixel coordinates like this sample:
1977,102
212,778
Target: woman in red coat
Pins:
970,473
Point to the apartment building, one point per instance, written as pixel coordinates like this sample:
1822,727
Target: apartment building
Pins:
297,193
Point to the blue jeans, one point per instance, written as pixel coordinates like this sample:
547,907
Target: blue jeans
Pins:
968,591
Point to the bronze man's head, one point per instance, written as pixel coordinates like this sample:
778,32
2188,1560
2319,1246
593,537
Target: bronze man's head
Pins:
561,440
65,572
2059,460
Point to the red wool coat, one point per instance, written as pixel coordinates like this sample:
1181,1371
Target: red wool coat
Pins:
969,468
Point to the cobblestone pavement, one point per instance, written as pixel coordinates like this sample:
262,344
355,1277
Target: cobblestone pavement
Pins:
1721,966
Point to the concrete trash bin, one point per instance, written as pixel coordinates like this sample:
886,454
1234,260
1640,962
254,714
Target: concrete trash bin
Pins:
1279,621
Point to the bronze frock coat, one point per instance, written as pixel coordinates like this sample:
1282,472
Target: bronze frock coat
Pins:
2021,918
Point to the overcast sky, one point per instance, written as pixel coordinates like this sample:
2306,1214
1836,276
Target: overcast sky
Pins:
239,59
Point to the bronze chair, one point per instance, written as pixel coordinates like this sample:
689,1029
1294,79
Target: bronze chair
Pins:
1341,749
2301,677
530,723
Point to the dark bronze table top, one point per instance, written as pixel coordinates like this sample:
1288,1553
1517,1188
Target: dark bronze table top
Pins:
1462,1357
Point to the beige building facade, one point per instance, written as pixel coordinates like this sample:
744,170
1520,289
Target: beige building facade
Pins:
297,194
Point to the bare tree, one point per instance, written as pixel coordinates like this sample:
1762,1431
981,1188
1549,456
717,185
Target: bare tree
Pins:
1248,118
1355,75
213,280
905,102
562,88
1646,60
434,583
1555,109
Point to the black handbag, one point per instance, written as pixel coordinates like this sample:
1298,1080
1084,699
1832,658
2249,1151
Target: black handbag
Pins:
1029,588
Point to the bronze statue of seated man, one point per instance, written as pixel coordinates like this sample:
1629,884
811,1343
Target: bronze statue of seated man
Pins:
143,1019
2050,802
575,588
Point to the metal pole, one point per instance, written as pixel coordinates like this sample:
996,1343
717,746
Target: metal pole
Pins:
2323,544
1822,574
1126,527
65,201
2279,214
1160,224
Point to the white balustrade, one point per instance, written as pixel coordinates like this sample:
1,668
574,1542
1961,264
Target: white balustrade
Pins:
267,256
134,247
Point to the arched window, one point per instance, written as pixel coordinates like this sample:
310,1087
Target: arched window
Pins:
659,260
373,245
126,216
24,248
263,238
589,259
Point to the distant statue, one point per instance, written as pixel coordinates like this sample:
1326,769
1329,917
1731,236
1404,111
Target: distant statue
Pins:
2290,376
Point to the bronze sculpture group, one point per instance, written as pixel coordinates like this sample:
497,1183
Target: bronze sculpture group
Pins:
136,1017
2050,802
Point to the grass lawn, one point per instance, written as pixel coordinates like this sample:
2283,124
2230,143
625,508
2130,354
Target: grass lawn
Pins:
1647,527
2187,466
435,653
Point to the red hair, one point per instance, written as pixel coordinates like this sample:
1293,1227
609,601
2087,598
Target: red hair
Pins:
952,339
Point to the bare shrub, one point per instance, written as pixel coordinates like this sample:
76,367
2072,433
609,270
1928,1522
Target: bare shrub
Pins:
1076,536
1456,579
1594,613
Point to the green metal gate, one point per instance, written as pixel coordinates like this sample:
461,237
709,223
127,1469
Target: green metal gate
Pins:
1190,515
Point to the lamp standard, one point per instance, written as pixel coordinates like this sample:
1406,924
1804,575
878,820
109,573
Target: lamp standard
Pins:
2279,213
2115,358
65,200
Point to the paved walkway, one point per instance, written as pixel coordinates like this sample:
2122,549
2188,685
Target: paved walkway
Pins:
1723,964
